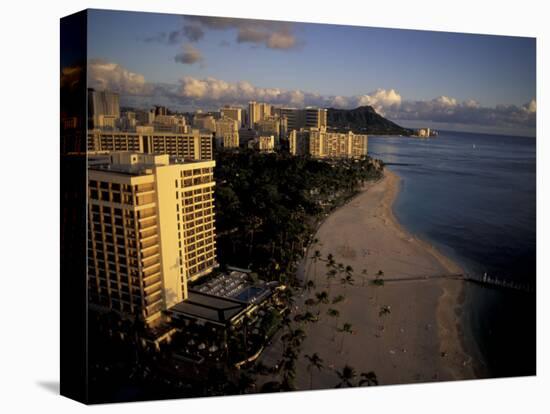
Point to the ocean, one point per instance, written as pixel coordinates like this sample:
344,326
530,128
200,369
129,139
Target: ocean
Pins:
473,196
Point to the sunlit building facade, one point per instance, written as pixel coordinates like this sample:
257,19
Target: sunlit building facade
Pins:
151,231
319,143
195,145
227,133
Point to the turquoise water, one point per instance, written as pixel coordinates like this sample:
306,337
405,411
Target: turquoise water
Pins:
474,197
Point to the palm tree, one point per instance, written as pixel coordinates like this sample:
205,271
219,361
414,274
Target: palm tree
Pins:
309,317
331,274
316,257
347,280
346,377
345,329
368,379
338,299
314,361
384,310
306,317
294,337
288,374
334,313
322,297
310,285
330,261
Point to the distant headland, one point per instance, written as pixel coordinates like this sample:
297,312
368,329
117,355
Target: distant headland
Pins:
364,119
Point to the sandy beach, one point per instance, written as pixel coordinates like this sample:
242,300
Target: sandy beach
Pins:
420,338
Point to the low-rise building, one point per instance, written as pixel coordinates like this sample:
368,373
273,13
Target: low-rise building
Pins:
263,143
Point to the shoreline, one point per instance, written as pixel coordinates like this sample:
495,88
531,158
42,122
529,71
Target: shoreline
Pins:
422,339
450,303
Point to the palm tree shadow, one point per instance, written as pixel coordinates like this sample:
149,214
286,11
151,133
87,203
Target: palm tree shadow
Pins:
51,386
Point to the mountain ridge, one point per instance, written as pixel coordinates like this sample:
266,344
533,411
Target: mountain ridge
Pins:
361,120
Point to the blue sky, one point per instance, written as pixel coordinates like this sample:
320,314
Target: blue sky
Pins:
478,73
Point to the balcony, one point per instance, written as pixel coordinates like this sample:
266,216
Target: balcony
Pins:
152,270
144,244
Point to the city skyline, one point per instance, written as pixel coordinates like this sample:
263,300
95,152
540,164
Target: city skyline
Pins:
477,83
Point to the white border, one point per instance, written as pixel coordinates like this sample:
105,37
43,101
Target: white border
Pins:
29,214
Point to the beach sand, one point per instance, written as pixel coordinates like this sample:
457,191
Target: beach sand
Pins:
420,339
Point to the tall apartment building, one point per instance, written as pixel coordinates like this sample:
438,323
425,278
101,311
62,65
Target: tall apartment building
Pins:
151,231
104,104
234,113
318,143
258,112
194,145
270,126
253,114
304,118
315,117
227,133
299,142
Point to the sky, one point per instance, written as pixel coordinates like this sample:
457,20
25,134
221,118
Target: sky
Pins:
477,83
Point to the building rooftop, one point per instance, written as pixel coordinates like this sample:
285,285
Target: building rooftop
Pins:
209,308
133,163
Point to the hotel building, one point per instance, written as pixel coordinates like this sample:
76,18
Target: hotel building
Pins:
151,231
318,143
194,145
227,133
234,113
257,112
304,118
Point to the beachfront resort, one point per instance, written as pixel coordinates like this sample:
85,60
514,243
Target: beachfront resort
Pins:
161,191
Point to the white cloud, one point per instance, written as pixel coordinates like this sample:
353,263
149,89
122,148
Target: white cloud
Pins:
112,76
380,99
340,102
211,93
